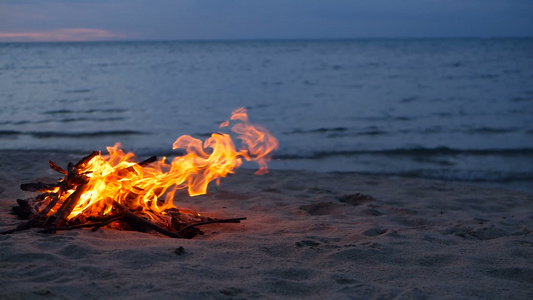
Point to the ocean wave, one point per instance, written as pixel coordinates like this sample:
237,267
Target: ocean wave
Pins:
318,130
8,133
86,111
521,99
64,120
57,134
420,151
460,175
78,91
335,132
493,130
54,134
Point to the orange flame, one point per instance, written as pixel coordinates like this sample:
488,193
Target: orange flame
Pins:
115,177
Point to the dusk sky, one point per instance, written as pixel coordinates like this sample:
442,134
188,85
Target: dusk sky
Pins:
86,20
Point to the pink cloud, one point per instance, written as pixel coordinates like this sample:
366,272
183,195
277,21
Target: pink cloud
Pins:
61,35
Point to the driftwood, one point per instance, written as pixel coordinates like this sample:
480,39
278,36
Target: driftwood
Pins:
76,180
69,204
142,223
37,186
57,168
94,225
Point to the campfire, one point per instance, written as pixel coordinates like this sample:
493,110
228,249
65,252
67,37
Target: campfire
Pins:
115,191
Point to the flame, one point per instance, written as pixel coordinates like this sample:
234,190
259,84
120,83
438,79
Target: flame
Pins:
151,188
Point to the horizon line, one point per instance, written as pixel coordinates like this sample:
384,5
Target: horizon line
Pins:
264,39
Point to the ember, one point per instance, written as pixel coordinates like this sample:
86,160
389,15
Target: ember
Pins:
113,190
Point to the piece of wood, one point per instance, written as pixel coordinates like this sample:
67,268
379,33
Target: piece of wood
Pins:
87,225
23,211
147,161
44,212
135,220
69,204
138,222
189,227
57,168
86,159
20,227
37,187
143,163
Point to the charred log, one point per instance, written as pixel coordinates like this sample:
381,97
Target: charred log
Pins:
37,187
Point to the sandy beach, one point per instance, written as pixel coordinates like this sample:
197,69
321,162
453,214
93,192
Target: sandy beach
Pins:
307,235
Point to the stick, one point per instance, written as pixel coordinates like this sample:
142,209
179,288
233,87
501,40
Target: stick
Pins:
134,220
189,227
143,163
147,161
137,221
50,205
57,168
69,204
86,225
34,219
86,159
37,187
20,227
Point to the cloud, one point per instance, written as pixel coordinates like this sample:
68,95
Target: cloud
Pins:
61,35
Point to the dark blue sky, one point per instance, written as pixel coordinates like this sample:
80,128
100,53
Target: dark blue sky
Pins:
25,20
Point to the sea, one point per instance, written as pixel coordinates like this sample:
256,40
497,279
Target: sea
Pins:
448,109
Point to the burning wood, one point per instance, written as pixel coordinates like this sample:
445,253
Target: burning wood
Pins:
112,190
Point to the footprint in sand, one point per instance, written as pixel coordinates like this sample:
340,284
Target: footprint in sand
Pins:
375,231
320,208
355,199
